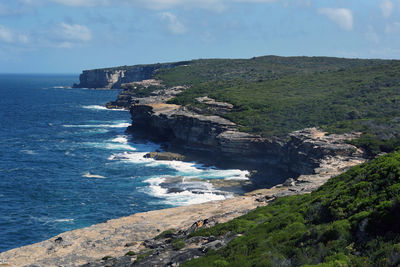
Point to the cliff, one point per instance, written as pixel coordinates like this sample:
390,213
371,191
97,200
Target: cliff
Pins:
300,152
112,78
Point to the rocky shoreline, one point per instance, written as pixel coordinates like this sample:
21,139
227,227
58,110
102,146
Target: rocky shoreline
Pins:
121,242
117,237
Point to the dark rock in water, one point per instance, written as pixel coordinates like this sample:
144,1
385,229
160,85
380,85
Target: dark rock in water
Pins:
165,156
175,190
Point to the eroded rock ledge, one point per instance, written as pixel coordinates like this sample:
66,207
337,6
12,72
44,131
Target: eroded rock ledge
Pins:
300,152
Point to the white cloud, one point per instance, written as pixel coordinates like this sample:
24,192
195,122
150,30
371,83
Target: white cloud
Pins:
173,24
84,3
387,8
5,35
341,16
8,36
74,32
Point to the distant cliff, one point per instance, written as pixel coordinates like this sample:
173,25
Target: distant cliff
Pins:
112,78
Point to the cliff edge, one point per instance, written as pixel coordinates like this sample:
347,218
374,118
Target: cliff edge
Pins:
112,78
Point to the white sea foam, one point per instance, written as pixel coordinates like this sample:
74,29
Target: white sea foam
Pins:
188,169
188,190
115,125
96,131
29,152
64,220
68,153
99,107
48,220
123,139
136,157
120,147
189,194
90,175
61,87
95,107
111,146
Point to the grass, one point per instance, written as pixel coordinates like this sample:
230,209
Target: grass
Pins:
350,221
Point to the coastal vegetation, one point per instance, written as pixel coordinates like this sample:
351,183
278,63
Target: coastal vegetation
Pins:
352,220
277,95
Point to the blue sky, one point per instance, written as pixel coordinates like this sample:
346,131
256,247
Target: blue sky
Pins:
67,36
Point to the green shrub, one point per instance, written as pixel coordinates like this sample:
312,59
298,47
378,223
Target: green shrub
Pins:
130,253
166,234
178,244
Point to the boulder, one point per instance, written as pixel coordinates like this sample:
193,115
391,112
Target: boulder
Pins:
165,156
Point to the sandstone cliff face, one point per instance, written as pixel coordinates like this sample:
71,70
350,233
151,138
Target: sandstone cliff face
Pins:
113,78
301,152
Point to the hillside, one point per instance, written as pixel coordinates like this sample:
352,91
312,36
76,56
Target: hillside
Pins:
273,96
350,221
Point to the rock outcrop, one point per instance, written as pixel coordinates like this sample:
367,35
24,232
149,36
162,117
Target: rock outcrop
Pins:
301,152
112,78
133,93
165,156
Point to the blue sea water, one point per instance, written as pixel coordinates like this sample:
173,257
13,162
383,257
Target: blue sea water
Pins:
66,162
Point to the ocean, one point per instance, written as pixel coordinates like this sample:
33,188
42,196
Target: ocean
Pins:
66,162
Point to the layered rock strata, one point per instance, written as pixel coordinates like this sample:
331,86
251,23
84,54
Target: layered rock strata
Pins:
112,78
301,152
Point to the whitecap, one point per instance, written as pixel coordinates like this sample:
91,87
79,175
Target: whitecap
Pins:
187,195
96,131
120,139
64,220
188,169
137,157
61,87
116,125
90,175
111,146
99,107
29,152
95,107
45,220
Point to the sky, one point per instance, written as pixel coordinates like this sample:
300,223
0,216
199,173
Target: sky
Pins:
68,36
